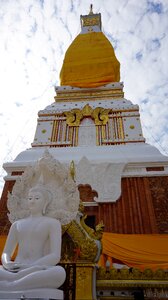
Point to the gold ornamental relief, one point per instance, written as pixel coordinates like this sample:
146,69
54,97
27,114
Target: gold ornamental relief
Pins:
132,275
94,234
73,117
86,245
87,110
91,21
99,115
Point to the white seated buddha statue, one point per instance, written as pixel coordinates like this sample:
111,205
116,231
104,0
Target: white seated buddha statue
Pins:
39,247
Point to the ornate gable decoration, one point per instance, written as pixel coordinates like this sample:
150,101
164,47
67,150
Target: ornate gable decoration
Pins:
105,178
99,115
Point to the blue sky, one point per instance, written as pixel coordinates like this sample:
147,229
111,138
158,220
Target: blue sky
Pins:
34,37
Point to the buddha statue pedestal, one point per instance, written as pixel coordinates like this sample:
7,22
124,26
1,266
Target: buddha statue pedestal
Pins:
33,294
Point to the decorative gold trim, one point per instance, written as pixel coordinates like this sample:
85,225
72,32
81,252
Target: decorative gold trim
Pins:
121,128
101,95
69,143
113,114
54,144
86,93
118,142
53,134
88,98
105,284
70,135
132,275
115,298
97,135
116,86
76,136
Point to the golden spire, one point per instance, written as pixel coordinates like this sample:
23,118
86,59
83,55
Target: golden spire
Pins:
90,60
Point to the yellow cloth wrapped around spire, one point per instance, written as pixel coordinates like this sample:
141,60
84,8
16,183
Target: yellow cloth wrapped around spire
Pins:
90,61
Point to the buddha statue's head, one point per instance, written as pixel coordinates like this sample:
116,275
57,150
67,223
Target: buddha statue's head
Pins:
38,199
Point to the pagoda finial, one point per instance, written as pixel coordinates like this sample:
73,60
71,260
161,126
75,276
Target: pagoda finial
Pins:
91,9
91,20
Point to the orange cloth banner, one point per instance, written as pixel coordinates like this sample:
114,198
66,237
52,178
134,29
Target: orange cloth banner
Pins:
137,250
2,244
134,250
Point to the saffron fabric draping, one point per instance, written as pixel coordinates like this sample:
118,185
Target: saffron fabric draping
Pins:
137,250
2,244
134,250
90,61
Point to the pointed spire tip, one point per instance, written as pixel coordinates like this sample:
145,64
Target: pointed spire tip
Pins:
91,9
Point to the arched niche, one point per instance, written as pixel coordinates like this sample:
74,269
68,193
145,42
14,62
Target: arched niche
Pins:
87,133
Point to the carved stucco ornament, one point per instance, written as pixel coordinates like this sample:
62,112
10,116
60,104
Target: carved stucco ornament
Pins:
99,115
105,178
57,179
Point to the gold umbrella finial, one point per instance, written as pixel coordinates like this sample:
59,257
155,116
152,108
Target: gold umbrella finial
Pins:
91,9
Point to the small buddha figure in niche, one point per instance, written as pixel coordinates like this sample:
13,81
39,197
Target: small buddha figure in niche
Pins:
39,248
